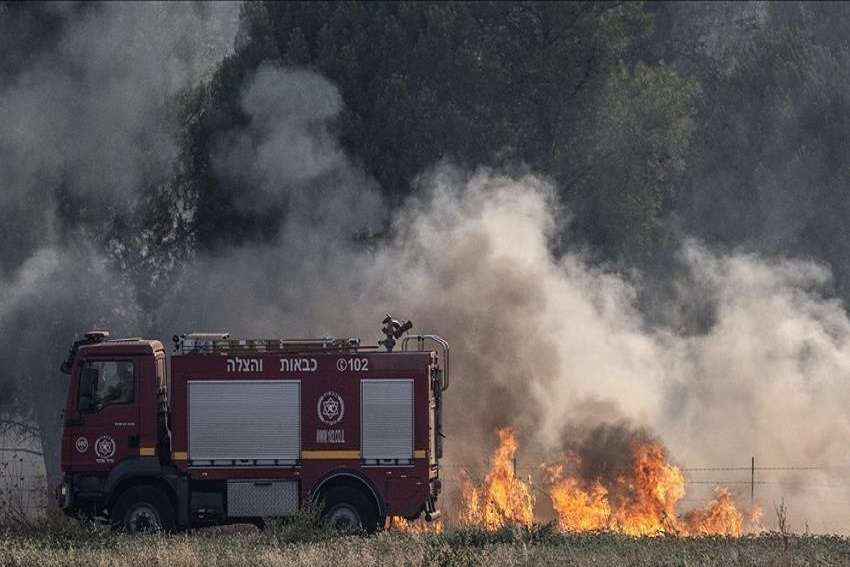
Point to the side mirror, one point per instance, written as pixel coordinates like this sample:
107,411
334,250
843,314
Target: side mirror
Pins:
88,380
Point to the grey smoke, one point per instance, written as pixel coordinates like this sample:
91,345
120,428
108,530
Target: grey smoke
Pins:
287,156
86,126
288,141
94,113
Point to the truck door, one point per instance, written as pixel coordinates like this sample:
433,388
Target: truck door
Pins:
106,429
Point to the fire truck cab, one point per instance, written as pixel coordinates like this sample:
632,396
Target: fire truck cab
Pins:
242,430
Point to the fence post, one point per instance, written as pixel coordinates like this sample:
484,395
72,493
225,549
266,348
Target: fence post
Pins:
752,482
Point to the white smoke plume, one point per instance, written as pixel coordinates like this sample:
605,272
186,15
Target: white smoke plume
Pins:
288,156
544,343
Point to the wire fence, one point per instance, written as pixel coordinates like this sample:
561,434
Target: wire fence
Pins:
23,488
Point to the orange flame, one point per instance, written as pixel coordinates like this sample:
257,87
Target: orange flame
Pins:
641,501
420,526
720,516
653,491
502,498
579,510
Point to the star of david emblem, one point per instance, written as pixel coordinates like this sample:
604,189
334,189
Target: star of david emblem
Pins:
331,408
104,447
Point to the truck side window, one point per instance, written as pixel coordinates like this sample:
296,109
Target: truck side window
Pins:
114,383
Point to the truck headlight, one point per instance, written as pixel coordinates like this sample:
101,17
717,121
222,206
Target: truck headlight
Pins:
63,495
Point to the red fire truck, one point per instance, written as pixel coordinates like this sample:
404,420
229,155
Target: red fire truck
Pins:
242,430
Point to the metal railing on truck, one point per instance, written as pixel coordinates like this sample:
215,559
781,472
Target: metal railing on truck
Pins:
220,343
420,343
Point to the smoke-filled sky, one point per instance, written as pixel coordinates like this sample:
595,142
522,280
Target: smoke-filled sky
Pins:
548,345
86,125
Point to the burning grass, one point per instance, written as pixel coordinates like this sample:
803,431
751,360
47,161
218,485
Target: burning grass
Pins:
637,496
502,498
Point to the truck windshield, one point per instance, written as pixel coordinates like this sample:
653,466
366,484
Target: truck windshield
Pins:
114,383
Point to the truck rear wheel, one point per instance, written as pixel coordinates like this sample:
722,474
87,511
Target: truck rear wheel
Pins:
349,510
142,509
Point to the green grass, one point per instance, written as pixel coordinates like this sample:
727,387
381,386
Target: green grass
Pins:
288,544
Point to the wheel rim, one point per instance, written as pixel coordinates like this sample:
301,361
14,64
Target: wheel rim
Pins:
143,518
344,518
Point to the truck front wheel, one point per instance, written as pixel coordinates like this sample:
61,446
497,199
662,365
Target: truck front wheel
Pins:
142,509
347,509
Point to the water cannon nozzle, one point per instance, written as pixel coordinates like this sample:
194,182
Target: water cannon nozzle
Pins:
393,330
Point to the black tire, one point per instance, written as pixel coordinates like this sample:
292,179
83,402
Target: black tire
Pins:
142,509
347,509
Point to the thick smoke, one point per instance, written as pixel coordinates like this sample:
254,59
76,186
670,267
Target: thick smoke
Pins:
551,346
86,126
286,159
557,338
288,156
544,343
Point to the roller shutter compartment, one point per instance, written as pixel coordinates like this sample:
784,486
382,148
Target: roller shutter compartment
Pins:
386,417
244,423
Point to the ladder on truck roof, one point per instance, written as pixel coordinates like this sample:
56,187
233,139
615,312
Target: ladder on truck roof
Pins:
221,343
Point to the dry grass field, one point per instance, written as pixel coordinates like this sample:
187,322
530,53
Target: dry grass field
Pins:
300,545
